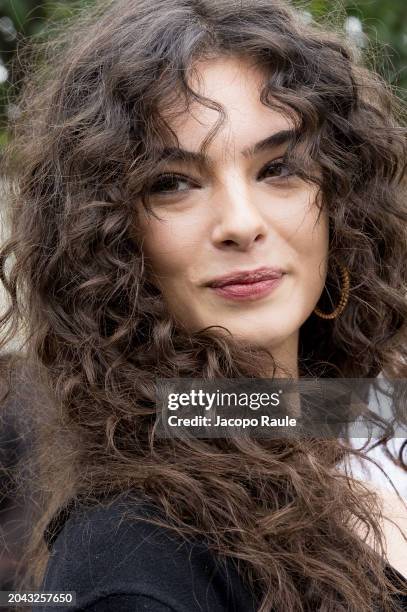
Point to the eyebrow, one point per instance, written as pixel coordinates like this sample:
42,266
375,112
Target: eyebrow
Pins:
201,159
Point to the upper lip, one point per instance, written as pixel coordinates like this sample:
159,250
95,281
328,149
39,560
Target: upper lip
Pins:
246,277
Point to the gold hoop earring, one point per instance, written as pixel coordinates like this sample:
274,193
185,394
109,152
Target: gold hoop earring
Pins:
344,296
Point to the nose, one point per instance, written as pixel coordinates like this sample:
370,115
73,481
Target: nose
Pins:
239,221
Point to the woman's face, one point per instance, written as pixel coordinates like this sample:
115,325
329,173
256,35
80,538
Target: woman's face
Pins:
238,212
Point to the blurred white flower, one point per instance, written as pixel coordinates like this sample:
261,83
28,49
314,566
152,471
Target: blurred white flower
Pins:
3,73
7,29
13,111
354,29
306,16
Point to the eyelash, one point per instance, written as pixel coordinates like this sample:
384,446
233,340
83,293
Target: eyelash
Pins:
278,163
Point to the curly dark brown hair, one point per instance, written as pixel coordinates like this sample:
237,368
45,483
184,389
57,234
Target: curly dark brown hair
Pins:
97,333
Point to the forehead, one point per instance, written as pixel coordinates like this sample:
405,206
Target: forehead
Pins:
235,84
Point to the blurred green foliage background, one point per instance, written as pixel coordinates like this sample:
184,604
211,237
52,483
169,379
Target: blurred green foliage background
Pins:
381,22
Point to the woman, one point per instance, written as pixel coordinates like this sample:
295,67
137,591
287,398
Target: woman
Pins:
162,149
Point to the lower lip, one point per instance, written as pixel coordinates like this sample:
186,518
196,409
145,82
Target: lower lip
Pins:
249,290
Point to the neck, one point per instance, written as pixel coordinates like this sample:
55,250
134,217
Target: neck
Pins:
286,357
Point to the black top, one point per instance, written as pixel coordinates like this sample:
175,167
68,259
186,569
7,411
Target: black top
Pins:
129,566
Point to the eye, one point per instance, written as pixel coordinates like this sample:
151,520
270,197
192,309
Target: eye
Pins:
168,183
278,169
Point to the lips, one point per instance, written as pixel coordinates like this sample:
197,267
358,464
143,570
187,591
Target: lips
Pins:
247,277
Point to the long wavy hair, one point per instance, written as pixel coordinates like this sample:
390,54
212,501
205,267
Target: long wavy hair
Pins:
97,332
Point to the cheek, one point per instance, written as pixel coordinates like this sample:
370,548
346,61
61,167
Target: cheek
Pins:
299,227
169,247
315,240
307,236
313,225
312,253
